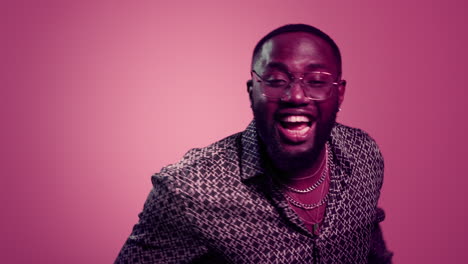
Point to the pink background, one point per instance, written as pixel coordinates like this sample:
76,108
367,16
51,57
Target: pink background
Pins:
95,97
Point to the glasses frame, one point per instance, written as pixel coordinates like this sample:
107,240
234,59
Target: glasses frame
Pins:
293,79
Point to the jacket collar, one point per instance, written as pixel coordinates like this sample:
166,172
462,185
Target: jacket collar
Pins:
252,168
252,162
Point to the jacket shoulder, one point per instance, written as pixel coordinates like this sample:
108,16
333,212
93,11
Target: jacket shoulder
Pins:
197,156
353,140
356,149
201,165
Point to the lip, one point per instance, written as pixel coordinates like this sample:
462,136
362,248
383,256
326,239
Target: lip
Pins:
291,112
298,135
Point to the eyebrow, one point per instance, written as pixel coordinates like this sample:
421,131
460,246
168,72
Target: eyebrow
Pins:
281,66
315,66
278,65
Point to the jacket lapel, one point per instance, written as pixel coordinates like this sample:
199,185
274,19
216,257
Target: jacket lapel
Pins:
254,169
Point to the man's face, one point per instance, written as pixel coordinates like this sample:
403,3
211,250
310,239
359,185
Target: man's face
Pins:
295,128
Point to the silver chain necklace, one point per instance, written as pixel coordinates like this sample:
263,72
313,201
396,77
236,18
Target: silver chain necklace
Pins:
315,185
303,205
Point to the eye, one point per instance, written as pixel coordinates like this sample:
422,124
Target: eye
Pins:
316,83
275,79
276,82
318,79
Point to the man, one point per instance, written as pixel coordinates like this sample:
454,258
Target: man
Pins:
294,187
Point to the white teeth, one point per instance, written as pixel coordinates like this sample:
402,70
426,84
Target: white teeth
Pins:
295,118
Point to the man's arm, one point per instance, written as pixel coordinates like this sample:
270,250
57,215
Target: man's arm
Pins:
379,254
163,233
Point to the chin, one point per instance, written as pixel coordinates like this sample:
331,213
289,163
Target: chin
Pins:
296,152
292,157
288,156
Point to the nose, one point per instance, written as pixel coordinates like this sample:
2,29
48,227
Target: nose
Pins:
295,94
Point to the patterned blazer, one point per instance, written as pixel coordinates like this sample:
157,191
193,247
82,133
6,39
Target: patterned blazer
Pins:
220,205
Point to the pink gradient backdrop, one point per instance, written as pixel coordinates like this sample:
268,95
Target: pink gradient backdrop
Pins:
95,97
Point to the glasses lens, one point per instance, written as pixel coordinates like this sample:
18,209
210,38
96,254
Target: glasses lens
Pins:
275,83
318,85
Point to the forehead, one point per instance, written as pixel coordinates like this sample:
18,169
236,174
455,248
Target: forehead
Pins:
297,51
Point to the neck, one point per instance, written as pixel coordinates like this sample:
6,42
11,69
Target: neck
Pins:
310,171
297,169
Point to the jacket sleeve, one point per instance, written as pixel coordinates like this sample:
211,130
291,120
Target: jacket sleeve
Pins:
163,233
379,254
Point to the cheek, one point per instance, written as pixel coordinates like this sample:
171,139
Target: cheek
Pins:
264,110
328,109
259,104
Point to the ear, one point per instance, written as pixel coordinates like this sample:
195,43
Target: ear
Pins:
249,86
341,92
249,90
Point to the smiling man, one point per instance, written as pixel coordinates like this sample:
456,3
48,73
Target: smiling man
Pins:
294,187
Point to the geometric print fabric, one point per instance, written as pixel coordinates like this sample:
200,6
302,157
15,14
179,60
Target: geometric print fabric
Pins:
220,204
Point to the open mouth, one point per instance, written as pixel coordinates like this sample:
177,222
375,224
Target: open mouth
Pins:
296,128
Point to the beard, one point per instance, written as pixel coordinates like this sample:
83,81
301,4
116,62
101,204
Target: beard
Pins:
292,162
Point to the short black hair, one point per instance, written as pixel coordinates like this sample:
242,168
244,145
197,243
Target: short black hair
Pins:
299,28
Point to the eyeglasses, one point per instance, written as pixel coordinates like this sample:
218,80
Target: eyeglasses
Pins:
316,85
